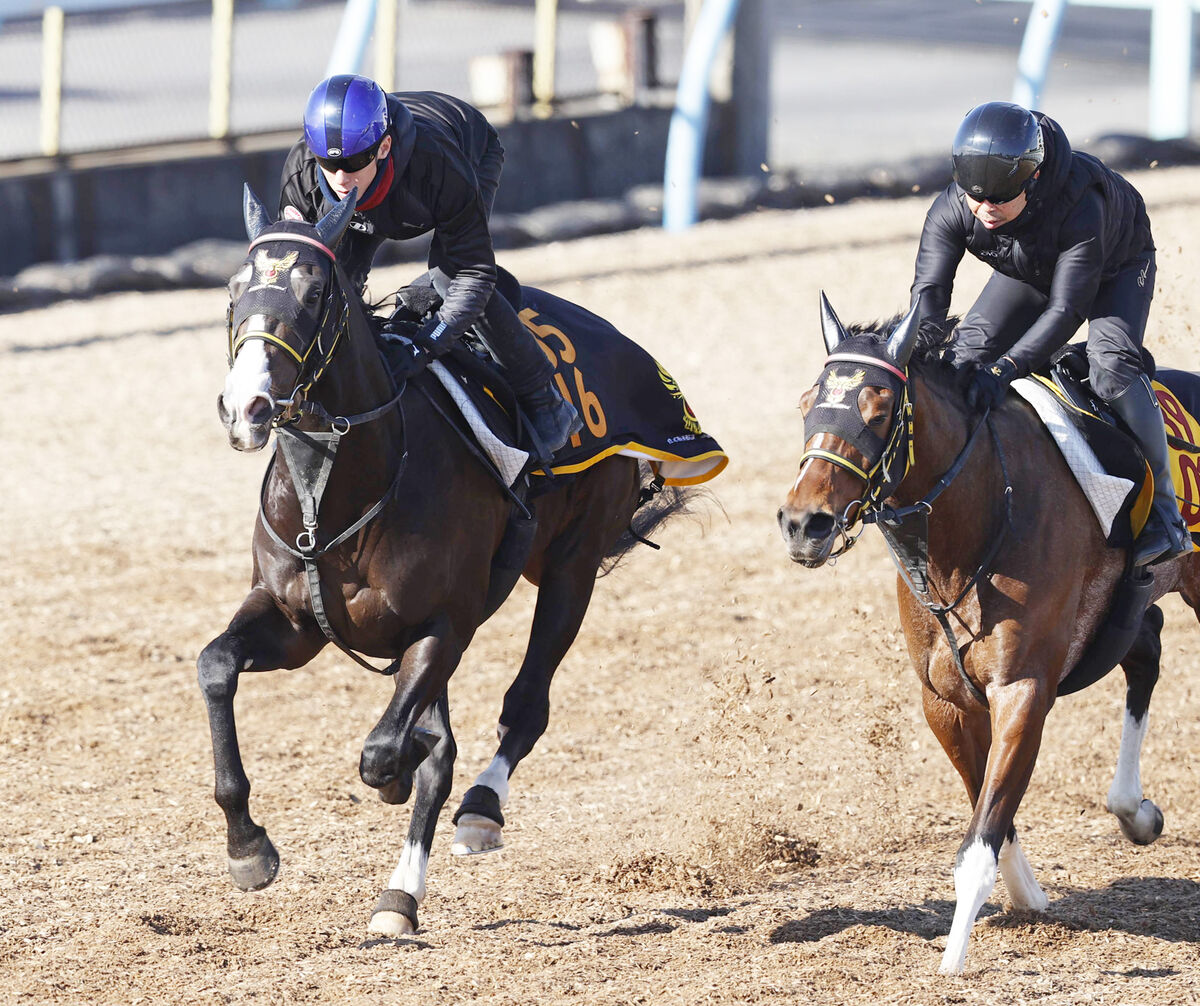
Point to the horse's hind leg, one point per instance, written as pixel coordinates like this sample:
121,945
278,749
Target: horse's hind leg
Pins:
396,912
563,597
1140,820
260,638
566,576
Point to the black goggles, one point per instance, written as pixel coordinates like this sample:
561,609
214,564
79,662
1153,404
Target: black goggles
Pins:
351,164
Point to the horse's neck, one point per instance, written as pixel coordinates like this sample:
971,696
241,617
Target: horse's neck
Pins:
970,510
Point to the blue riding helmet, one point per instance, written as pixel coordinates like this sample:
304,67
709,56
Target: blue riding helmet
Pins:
345,119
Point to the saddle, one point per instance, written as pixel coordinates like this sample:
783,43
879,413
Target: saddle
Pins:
1115,449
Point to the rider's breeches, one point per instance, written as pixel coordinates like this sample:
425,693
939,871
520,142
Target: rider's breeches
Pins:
1006,308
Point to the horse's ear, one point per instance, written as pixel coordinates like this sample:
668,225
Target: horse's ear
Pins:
254,213
333,224
831,328
903,338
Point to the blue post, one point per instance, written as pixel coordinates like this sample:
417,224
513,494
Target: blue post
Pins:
1041,35
689,121
354,33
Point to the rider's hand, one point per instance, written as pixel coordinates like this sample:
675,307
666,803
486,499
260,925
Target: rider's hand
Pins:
432,338
989,384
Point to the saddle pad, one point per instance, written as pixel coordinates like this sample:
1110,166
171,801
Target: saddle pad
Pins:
628,401
1106,493
509,460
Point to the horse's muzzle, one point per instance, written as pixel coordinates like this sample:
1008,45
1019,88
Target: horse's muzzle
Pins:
249,428
809,536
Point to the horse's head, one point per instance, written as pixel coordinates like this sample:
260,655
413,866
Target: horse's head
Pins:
283,317
856,434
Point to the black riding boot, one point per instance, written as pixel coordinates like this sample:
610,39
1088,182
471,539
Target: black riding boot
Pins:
531,375
1165,535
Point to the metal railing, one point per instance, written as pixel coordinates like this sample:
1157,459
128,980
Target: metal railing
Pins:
1169,112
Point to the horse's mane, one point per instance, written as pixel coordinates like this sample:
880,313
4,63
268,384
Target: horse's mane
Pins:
932,351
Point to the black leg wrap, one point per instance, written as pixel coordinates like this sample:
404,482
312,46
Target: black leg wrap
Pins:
400,902
483,801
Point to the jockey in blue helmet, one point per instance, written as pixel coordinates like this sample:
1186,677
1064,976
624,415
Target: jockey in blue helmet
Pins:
422,161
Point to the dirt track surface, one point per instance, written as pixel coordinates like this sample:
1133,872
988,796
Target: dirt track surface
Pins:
737,799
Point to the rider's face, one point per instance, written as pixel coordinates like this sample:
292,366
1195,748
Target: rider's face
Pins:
343,181
992,215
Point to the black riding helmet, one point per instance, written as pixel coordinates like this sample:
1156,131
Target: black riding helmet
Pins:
997,151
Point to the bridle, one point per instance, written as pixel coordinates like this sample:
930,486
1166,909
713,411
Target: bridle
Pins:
276,301
311,454
885,462
879,482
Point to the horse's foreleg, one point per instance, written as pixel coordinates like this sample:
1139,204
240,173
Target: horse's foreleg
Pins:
260,638
396,912
1018,715
397,745
564,591
1140,820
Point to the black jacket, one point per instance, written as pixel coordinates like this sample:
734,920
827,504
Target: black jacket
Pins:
1082,224
433,188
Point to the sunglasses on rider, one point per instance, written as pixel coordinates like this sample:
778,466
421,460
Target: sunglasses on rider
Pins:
356,162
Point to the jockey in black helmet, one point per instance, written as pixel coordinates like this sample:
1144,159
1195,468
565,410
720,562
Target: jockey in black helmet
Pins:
421,162
1069,241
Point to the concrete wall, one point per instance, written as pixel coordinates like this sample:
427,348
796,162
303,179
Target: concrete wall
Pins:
152,203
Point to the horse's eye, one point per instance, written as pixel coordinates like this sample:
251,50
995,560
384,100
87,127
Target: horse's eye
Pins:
877,421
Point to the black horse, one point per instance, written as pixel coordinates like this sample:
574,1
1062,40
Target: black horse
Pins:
381,530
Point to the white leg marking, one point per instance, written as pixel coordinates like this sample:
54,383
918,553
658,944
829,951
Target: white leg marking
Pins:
495,778
1018,876
409,874
1140,819
475,833
1125,793
974,878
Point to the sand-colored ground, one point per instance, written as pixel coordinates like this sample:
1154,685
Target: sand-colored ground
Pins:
737,799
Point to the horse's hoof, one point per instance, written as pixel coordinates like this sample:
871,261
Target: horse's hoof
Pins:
256,871
1145,826
394,915
476,835
390,924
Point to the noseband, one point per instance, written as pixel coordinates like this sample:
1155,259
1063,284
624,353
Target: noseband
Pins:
836,411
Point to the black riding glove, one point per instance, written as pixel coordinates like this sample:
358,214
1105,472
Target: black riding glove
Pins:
433,339
989,384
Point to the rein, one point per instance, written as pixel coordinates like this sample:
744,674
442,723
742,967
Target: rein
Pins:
310,455
908,550
908,547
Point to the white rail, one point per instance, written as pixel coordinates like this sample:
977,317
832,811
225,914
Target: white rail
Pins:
1169,112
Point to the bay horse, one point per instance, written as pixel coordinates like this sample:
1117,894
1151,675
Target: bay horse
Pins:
396,527
1019,580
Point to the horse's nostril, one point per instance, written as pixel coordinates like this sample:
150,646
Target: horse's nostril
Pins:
258,411
819,526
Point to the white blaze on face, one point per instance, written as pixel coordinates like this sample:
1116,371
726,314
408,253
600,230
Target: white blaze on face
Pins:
247,387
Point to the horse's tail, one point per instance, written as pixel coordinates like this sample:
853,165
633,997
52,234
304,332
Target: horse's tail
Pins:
668,502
